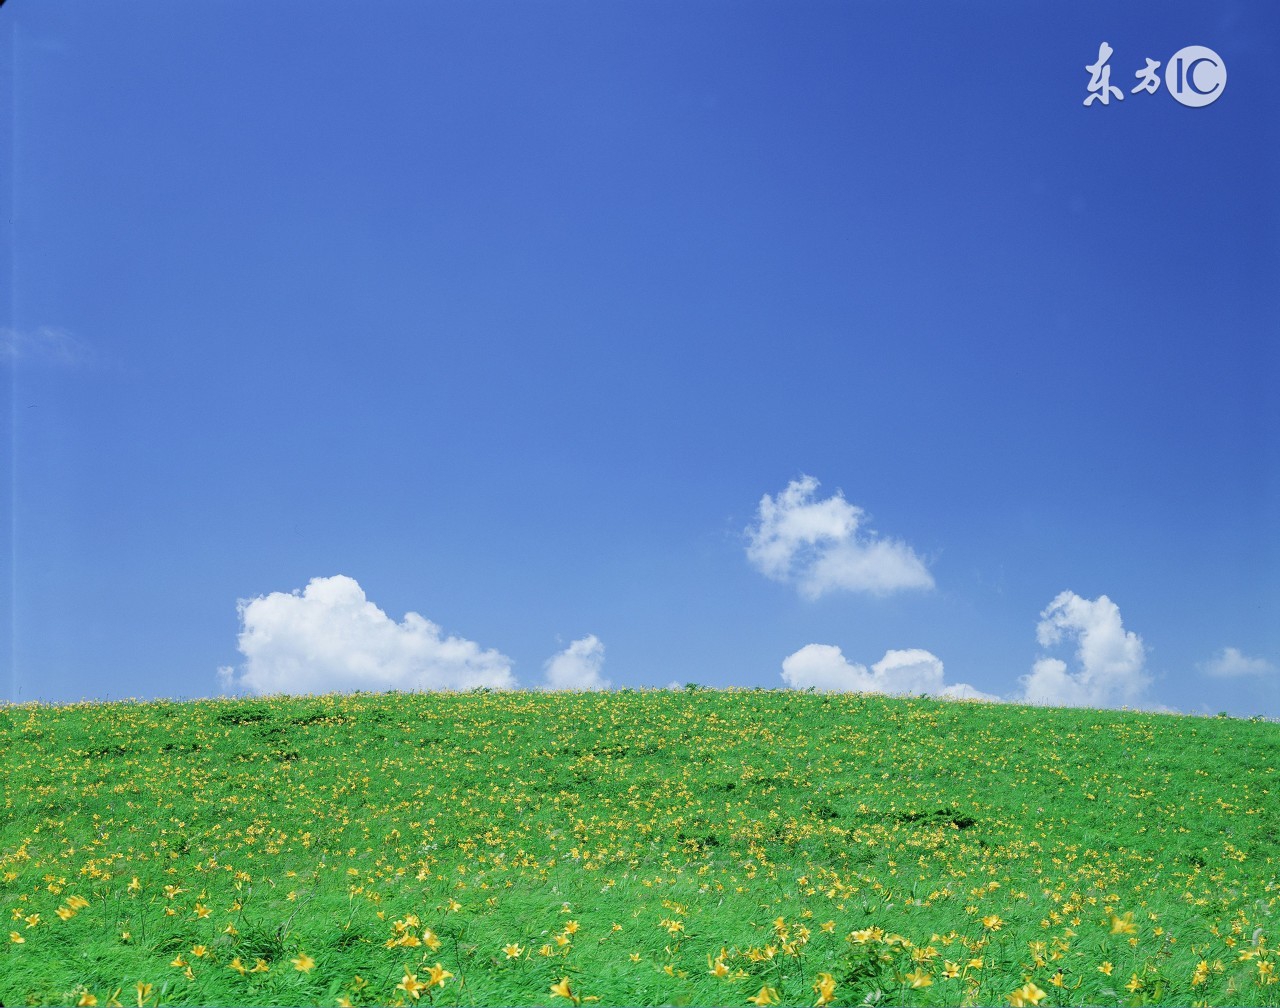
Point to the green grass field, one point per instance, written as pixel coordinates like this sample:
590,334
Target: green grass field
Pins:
697,847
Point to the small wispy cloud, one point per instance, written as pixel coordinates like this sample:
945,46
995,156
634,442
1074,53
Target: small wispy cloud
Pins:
1230,663
577,667
820,546
45,345
908,672
1110,667
329,637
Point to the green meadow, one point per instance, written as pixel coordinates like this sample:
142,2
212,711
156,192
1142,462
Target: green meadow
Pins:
694,847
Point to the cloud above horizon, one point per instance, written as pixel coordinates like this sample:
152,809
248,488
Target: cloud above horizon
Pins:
1111,662
909,672
577,667
329,637
1110,667
820,546
1230,663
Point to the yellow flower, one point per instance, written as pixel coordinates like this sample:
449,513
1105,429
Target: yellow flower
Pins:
16,938
571,927
513,950
178,962
1057,979
438,976
410,985
77,902
199,951
429,937
260,966
950,970
33,920
144,992
993,922
825,988
200,910
1134,983
1106,968
1027,994
561,989
86,999
230,929
975,964
635,956
238,966
304,963
453,906
1123,925
919,978
767,996
135,885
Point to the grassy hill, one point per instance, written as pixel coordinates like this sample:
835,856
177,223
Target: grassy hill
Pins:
652,847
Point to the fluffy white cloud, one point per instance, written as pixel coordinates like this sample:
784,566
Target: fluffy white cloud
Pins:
818,546
911,672
1111,661
1231,664
330,638
824,667
578,666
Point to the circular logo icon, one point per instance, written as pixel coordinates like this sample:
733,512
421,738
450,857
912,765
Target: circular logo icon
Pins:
1195,76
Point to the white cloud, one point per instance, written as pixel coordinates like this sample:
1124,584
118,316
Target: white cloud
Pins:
1111,661
818,546
1230,664
824,667
45,345
330,638
911,672
963,691
578,666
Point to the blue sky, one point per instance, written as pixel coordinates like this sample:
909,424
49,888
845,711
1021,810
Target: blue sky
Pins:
512,316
